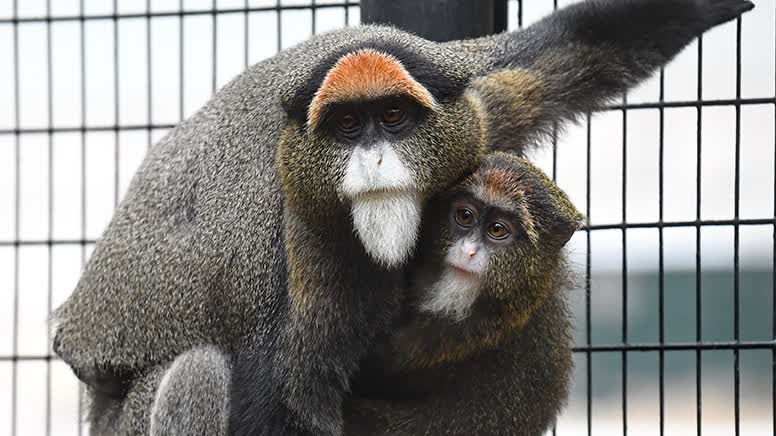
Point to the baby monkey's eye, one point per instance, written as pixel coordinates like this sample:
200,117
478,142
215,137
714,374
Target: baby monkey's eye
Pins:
393,116
465,217
498,231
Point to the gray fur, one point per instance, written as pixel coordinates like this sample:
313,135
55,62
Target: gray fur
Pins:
193,396
129,415
189,396
198,221
194,255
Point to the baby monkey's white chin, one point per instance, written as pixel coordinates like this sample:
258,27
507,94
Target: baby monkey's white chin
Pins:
387,224
465,274
453,295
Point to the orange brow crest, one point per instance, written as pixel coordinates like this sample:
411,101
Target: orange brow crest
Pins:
500,187
365,74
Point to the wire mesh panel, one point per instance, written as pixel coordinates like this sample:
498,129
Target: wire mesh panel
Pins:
675,303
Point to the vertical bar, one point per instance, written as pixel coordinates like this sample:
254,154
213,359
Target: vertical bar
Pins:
736,238
555,177
17,205
279,23
181,65
214,42
116,109
149,77
624,266
313,11
773,273
347,13
83,176
698,300
660,263
49,230
588,299
520,14
246,52
555,123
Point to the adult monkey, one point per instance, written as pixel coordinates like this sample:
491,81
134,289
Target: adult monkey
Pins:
190,253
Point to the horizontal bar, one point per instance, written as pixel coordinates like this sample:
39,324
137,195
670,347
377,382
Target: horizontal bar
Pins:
708,346
33,242
81,17
693,223
694,103
620,226
28,358
84,129
119,127
731,345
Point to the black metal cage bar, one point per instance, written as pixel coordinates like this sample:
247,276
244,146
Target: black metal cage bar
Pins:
625,348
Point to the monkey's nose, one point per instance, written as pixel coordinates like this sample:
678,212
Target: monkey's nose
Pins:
469,249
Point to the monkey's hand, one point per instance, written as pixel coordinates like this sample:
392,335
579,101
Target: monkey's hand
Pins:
110,382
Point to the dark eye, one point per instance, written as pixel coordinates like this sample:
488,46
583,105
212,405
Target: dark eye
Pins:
498,231
348,123
393,116
465,217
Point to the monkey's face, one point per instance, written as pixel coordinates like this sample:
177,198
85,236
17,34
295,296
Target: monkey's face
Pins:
375,146
474,233
501,239
478,230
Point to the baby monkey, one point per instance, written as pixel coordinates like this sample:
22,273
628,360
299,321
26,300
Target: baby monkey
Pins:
486,347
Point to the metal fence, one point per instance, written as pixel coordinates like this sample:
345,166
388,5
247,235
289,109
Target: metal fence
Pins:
87,90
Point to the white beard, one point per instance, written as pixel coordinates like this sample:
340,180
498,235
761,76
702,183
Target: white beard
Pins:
452,296
385,203
387,224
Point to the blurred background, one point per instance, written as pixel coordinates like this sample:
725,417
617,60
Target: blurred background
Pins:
674,306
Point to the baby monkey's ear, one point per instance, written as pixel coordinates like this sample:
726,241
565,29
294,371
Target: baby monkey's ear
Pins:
546,211
567,221
557,216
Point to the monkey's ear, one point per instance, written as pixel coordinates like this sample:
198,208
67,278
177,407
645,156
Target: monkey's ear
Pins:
564,227
296,101
562,218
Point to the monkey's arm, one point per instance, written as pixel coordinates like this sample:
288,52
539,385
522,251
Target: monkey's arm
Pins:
517,388
295,382
576,59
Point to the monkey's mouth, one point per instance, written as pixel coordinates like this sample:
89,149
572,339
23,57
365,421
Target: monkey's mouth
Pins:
386,192
463,271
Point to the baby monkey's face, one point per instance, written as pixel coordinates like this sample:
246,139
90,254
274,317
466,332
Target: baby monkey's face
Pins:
478,231
499,235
